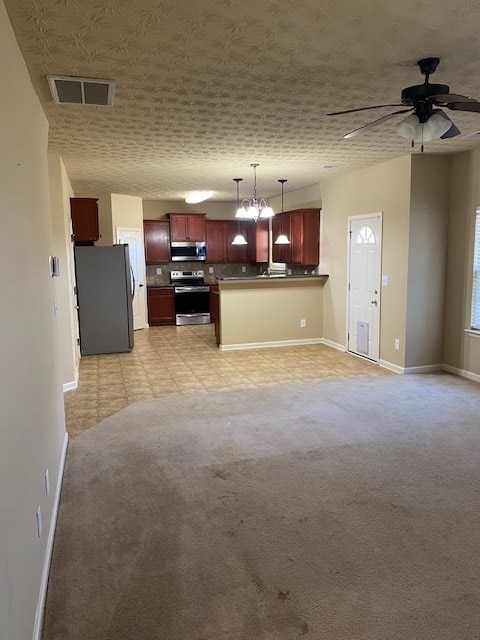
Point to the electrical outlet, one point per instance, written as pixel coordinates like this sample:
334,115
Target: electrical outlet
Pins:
55,308
289,272
303,323
397,344
47,483
38,517
244,269
384,281
210,269
159,271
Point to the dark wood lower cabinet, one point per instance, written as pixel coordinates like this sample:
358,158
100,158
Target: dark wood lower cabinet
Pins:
161,306
213,302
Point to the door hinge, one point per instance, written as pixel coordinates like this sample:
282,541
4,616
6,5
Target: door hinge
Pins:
350,234
72,238
74,291
78,341
349,286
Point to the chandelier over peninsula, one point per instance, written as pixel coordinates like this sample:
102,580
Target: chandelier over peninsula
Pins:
254,208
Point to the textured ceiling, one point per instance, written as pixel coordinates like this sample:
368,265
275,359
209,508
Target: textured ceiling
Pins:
205,87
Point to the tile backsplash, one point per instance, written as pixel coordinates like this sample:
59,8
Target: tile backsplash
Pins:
219,271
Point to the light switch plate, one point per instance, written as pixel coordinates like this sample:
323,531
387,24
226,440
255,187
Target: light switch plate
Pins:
384,281
210,269
159,271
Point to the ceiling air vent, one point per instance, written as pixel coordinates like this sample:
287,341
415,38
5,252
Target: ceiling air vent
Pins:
71,90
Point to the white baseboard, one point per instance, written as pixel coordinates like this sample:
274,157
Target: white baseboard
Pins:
277,343
37,629
391,367
334,345
69,386
462,372
428,368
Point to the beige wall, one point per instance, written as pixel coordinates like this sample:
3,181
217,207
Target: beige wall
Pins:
31,399
427,259
306,198
127,211
384,187
60,194
461,349
270,311
154,209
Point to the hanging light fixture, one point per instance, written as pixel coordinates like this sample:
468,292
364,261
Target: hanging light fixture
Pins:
254,208
282,238
239,239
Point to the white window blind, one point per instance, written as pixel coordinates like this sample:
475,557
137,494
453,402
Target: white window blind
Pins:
476,275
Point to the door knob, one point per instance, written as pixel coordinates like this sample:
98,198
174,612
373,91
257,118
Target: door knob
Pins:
374,302
76,307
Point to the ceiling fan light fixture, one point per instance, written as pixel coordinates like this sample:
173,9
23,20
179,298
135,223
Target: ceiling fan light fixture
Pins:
437,125
409,127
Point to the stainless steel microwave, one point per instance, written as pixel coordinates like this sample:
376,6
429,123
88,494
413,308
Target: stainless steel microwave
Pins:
188,251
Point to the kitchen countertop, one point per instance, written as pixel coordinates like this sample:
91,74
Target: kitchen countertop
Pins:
275,277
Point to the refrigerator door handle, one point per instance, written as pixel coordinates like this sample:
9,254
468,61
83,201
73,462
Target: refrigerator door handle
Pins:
133,282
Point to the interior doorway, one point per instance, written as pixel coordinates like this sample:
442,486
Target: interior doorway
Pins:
364,285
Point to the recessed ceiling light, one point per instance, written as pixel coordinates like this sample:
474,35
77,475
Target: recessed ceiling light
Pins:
198,196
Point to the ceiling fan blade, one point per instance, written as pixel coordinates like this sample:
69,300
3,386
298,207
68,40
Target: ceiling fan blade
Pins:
453,131
365,127
448,98
378,106
465,106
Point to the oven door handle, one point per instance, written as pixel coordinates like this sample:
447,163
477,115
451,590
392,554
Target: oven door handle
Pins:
192,289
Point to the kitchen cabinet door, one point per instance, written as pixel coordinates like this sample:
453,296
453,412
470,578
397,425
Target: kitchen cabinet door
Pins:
216,240
237,253
157,241
84,212
213,303
258,241
187,227
161,306
281,225
305,236
196,227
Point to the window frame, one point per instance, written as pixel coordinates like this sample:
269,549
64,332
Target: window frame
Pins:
475,297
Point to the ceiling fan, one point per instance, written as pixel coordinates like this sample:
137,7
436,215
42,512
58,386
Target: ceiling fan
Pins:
426,121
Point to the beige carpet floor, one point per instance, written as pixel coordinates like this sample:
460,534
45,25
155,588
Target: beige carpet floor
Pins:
337,511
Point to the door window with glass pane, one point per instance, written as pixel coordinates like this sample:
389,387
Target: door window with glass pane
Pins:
476,275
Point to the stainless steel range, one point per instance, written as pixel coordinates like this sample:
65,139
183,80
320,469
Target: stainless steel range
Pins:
192,297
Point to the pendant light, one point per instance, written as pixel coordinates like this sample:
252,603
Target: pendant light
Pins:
239,238
282,238
254,208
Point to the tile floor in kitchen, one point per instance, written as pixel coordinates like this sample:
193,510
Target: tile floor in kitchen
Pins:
170,361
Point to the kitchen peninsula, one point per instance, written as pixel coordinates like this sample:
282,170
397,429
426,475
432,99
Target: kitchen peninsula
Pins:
266,311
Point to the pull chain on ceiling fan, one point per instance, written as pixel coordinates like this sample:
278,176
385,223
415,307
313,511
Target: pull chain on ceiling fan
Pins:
425,122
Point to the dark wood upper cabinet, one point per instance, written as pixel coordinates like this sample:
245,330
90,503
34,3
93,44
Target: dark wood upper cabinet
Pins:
305,238
157,241
84,213
258,241
238,252
187,227
281,225
216,240
302,227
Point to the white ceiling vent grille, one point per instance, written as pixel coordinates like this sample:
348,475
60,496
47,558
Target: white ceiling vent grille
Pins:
71,90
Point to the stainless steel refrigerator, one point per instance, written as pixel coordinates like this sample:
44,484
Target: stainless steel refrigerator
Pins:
104,291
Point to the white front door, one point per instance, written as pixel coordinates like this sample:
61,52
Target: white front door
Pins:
364,279
133,237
